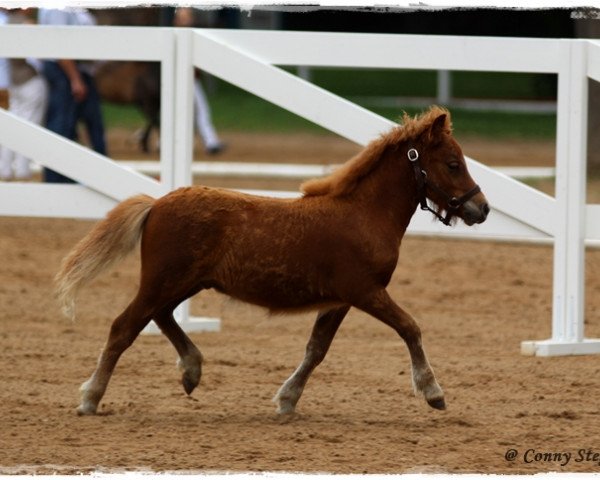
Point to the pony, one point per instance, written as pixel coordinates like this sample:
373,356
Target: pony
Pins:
333,248
136,83
130,82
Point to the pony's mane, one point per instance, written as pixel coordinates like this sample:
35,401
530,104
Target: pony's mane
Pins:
344,179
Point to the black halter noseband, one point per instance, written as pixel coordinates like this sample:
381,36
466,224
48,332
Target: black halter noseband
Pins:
453,203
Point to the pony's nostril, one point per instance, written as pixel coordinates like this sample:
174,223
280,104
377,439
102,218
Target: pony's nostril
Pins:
485,208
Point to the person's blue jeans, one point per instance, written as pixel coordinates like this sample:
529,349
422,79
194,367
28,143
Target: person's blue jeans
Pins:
90,113
64,112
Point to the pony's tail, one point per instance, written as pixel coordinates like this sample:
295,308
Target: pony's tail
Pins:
109,241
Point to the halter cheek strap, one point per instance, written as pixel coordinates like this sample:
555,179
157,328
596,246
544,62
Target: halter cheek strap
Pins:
453,203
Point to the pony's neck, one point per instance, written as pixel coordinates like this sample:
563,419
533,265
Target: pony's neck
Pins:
392,187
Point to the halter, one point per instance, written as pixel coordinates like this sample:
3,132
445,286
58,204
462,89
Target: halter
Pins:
453,203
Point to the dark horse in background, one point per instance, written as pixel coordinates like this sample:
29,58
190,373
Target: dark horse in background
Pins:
334,248
136,83
132,83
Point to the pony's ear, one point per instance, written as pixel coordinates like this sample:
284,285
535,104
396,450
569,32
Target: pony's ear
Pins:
434,133
439,124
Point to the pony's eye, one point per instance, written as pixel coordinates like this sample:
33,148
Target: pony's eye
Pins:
453,166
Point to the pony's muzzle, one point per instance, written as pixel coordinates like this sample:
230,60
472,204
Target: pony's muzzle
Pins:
475,212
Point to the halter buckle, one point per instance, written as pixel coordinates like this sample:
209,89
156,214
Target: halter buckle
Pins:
413,155
454,203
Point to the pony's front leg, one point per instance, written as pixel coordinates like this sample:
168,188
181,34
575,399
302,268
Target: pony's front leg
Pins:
382,307
123,332
321,337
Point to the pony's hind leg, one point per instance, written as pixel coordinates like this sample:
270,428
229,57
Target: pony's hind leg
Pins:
124,330
382,307
321,337
190,358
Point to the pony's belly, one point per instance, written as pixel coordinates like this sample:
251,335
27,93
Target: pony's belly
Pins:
279,294
292,305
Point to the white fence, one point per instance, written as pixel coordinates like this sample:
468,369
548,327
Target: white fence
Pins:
248,58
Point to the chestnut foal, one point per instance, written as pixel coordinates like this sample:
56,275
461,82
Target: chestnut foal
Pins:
332,249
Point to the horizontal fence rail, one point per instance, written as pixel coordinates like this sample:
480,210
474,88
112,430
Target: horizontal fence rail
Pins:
366,50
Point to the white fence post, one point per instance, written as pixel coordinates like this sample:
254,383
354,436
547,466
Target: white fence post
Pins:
569,241
180,106
168,94
184,108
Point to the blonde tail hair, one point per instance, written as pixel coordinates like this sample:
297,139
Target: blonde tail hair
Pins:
109,241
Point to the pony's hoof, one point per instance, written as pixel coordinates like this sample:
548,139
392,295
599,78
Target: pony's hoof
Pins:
286,418
85,410
437,403
285,407
188,384
191,373
286,410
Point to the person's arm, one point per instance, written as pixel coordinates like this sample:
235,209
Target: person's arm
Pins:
53,16
78,87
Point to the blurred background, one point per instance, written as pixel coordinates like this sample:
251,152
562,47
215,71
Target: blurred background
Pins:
496,104
501,119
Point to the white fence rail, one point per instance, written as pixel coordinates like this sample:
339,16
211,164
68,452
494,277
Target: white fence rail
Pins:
248,59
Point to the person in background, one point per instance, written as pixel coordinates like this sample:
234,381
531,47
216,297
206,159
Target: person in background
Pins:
28,94
72,91
184,17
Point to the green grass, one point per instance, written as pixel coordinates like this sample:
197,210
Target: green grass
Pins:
245,112
517,86
236,110
248,113
494,124
126,116
423,83
381,83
